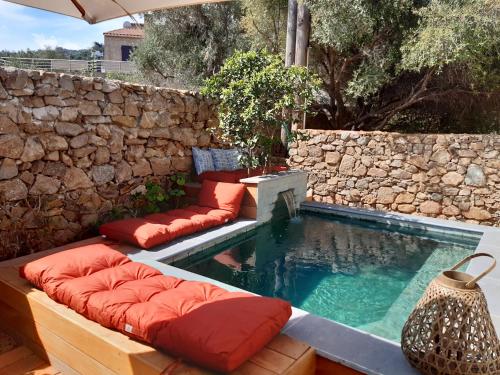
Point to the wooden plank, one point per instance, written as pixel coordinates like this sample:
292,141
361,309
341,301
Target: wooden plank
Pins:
271,360
14,355
23,366
327,367
45,370
305,365
248,212
288,346
250,197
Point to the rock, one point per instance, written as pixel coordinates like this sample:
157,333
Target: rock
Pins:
79,141
430,208
48,113
161,166
451,211
377,172
332,158
417,161
103,131
8,169
54,169
11,146
7,126
452,178
385,195
52,142
103,174
13,190
87,108
475,176
476,213
125,121
115,97
123,172
182,164
113,110
102,156
69,114
347,165
141,169
441,157
95,96
45,185
69,129
406,208
66,82
75,178
405,198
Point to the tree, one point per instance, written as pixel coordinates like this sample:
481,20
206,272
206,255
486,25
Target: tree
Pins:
256,94
188,44
379,59
264,22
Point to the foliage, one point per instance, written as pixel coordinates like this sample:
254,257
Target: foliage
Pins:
264,22
256,96
185,45
380,59
54,53
154,198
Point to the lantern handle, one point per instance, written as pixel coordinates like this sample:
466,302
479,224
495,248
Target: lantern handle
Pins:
471,283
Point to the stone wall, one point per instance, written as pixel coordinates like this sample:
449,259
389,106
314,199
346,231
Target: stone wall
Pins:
449,176
72,148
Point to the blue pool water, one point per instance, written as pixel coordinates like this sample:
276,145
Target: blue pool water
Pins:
363,274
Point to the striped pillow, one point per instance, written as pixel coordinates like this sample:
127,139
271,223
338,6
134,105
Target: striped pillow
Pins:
225,160
203,161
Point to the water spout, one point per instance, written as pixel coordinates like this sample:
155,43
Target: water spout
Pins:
289,198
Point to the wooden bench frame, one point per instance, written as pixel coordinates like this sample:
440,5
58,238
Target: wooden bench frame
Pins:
76,345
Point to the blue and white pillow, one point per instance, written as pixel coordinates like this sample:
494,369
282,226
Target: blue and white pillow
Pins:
225,160
203,161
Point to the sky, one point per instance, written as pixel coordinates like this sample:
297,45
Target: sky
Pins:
22,28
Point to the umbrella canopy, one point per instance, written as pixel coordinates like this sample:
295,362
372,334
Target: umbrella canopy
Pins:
94,11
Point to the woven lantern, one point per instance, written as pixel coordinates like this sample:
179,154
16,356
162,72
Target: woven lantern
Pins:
450,331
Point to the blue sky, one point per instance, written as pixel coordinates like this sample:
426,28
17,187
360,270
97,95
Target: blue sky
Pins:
22,27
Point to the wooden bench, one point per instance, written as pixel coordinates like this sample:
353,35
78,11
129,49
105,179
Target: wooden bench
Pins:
76,345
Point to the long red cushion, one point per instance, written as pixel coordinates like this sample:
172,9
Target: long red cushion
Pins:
222,196
141,232
197,321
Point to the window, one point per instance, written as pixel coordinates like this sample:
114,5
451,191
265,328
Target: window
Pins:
126,52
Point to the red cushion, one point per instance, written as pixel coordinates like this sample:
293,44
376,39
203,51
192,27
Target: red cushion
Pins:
144,233
177,226
222,215
221,195
197,321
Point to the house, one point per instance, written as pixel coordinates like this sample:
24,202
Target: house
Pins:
119,44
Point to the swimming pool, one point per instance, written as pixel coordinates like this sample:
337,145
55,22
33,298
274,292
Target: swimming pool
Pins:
363,274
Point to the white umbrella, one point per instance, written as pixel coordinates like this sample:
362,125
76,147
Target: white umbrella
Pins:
94,11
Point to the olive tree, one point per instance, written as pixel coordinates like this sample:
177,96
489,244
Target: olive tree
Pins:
256,95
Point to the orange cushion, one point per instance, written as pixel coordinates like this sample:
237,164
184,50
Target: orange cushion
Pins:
141,232
222,216
197,321
177,226
221,195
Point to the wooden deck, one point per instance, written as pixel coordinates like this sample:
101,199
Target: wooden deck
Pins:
52,333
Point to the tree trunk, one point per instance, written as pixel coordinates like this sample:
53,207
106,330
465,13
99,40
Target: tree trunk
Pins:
302,45
291,34
303,31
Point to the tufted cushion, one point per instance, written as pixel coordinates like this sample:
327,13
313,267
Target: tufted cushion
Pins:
144,233
203,160
222,196
197,321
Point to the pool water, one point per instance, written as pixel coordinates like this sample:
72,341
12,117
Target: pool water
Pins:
359,273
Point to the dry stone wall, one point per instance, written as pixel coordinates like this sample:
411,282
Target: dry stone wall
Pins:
449,176
72,148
